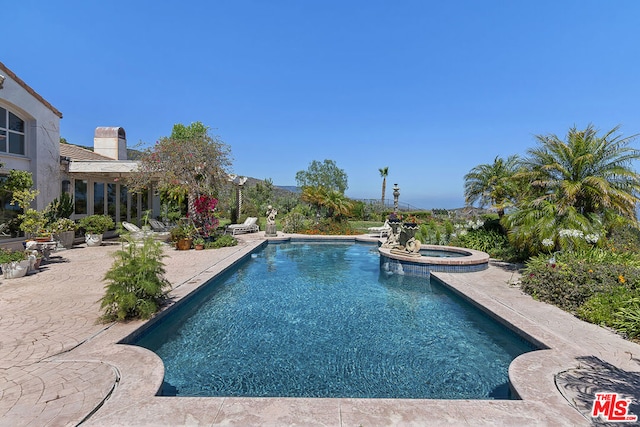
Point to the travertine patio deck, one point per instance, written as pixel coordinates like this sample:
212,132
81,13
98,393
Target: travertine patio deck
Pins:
59,367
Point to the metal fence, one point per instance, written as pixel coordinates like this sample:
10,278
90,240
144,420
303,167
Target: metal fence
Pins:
388,204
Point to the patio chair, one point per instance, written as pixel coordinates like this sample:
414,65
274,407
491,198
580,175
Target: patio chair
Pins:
138,234
4,229
250,225
380,231
158,226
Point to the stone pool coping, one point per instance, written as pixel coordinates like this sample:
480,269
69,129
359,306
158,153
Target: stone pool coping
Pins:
124,380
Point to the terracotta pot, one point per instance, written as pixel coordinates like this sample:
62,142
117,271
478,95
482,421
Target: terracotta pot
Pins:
198,247
184,244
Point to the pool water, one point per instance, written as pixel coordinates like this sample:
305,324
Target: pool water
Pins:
442,253
321,320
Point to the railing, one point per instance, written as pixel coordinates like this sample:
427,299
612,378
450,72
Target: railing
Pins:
388,204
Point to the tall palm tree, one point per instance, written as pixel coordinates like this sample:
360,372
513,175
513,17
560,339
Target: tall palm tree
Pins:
590,173
384,172
493,184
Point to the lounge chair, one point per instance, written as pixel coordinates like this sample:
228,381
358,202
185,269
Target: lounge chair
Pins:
157,225
250,225
138,234
4,230
380,231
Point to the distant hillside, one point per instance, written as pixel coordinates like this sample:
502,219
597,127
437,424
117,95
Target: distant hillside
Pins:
278,189
291,188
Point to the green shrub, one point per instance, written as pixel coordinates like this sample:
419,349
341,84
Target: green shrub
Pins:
96,224
330,226
570,281
137,287
627,320
293,223
221,242
602,308
492,242
605,256
8,255
624,238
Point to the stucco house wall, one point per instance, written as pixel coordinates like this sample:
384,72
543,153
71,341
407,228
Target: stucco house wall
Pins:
41,132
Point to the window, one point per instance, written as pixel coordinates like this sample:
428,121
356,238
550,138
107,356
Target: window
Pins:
98,198
80,196
111,200
123,203
11,133
8,214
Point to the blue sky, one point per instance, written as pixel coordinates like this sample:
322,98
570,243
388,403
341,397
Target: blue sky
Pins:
428,88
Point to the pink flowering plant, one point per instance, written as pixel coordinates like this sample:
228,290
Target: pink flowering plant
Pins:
204,216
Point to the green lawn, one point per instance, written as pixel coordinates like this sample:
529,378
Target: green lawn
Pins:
363,225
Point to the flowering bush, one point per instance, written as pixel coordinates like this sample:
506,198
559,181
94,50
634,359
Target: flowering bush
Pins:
330,227
204,216
548,243
572,280
62,224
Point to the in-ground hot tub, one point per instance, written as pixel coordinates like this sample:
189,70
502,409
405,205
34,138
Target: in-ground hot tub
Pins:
449,259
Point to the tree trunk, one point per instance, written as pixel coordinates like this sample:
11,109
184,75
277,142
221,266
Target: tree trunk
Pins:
384,189
191,204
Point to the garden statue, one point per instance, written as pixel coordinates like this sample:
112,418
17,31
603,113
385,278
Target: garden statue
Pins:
413,247
404,241
393,240
271,215
271,222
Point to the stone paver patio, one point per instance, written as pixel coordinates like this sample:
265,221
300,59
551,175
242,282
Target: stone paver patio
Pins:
59,367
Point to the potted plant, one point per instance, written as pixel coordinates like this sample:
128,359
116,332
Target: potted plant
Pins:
14,263
65,231
182,234
198,243
94,227
57,209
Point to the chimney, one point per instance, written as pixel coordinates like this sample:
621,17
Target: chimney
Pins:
110,142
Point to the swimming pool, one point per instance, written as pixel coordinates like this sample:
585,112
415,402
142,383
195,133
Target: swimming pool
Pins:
321,320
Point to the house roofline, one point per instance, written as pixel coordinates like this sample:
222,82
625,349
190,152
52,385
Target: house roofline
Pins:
26,87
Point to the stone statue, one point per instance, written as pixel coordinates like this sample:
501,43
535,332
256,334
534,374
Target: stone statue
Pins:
403,242
271,230
271,214
393,241
413,247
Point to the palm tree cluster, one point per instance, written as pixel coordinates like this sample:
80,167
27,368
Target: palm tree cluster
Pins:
585,183
335,204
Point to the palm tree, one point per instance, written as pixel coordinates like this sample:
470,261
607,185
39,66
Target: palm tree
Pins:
493,184
338,205
314,196
384,172
589,173
585,184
